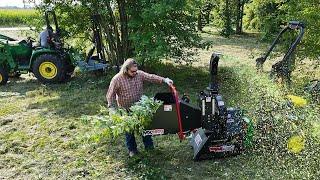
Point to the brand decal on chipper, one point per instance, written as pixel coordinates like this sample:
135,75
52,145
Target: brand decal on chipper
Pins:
153,132
223,148
198,140
167,107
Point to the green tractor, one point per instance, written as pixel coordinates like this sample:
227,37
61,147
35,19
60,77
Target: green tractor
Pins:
50,64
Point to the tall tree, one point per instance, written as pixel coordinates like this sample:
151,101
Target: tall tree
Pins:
145,29
265,15
124,28
204,13
239,12
227,24
224,16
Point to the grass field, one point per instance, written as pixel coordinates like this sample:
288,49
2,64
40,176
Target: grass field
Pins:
17,17
42,135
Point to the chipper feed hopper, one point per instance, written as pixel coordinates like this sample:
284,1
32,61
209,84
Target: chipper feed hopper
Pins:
216,131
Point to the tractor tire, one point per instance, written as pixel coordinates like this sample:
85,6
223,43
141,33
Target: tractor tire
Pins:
48,68
3,76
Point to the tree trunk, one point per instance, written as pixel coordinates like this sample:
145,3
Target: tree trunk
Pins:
238,25
124,29
227,31
111,42
116,38
240,8
241,15
199,21
207,17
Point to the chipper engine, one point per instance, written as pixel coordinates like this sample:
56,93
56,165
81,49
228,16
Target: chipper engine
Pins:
215,130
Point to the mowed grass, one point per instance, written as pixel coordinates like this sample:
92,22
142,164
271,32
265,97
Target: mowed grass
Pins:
42,134
17,17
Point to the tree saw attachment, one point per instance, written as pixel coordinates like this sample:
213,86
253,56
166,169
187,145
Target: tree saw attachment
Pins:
284,67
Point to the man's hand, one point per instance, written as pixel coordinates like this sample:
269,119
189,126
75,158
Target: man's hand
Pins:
168,81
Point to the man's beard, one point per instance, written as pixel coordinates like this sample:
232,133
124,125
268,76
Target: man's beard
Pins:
131,76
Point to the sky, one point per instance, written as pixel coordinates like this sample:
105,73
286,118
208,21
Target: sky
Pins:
18,3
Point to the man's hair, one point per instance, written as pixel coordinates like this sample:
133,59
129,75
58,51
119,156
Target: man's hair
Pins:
127,65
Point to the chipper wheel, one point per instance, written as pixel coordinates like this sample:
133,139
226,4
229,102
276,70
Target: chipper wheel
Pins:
3,76
49,68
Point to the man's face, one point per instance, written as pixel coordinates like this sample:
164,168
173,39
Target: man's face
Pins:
132,72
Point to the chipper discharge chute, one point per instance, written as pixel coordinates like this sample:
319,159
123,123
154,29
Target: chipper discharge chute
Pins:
216,131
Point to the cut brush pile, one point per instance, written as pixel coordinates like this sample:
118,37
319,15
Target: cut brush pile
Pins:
136,119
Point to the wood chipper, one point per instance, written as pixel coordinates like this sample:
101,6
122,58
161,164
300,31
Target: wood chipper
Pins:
215,130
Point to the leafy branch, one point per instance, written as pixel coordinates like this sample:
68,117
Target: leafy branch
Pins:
137,119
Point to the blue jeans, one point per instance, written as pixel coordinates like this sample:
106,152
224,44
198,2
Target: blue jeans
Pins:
132,145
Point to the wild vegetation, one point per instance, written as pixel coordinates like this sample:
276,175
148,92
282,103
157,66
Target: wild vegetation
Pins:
267,16
17,17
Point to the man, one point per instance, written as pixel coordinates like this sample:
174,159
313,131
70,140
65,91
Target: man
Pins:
44,35
126,88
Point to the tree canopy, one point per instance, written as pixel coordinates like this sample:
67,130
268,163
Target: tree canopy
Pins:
153,30
145,29
267,16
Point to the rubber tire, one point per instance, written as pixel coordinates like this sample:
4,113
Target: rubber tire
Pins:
4,75
60,76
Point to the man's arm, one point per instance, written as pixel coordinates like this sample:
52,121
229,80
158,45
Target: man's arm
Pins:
151,77
155,78
111,94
